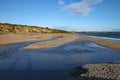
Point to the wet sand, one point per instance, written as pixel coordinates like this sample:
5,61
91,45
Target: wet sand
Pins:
63,38
52,63
55,63
106,42
9,38
55,43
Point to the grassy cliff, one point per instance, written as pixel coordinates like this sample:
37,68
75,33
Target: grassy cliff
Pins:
6,27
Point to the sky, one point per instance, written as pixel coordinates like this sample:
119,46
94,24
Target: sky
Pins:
71,15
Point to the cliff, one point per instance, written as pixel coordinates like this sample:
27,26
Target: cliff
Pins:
6,27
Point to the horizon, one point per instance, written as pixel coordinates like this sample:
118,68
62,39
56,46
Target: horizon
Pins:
69,15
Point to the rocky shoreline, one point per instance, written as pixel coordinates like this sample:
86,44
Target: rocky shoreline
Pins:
103,71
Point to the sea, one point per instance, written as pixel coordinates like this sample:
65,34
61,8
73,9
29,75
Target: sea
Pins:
116,36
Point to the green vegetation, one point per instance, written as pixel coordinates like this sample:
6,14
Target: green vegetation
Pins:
7,27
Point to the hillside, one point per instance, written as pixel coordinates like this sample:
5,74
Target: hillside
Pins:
6,27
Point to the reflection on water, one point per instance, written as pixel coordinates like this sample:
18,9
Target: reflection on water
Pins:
50,64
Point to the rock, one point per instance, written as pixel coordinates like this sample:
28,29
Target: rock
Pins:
104,71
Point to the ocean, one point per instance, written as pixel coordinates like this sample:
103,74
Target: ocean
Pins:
117,36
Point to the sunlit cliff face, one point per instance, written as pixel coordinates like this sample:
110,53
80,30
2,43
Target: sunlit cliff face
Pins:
25,28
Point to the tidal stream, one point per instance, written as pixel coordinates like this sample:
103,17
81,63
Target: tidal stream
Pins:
52,63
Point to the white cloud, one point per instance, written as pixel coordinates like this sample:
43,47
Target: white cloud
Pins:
69,28
60,2
81,8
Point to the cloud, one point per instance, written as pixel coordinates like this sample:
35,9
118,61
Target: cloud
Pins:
69,28
81,8
60,2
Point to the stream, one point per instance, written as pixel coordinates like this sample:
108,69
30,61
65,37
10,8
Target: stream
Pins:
52,63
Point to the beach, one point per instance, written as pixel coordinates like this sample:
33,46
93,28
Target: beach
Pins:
9,38
106,42
62,38
61,52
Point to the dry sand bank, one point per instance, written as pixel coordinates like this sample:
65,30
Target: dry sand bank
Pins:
60,41
9,38
110,43
106,42
63,38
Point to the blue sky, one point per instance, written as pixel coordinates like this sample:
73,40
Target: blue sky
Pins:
73,15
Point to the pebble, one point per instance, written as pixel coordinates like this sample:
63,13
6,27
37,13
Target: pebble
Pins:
109,71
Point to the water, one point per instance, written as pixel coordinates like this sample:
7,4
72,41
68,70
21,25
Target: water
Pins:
103,35
50,64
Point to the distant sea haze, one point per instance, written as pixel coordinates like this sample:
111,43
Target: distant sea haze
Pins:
116,36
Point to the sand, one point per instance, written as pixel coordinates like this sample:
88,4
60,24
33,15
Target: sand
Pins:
49,44
106,42
110,43
9,38
105,71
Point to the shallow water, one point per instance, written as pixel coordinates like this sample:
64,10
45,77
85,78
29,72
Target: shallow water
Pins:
114,36
50,64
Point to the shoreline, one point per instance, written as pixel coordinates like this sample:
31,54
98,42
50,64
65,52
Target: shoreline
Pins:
106,42
10,38
55,43
101,37
90,71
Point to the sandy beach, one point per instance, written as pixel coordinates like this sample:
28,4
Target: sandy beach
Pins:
70,44
62,38
106,42
9,38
